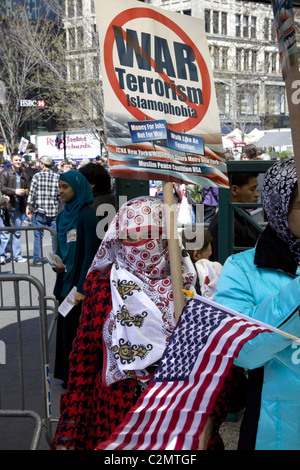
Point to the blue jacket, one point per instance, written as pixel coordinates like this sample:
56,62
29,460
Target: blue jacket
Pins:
263,283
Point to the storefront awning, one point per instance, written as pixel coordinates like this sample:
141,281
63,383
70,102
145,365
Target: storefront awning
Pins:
276,138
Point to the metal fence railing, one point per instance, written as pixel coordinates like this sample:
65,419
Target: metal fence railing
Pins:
20,365
44,273
26,292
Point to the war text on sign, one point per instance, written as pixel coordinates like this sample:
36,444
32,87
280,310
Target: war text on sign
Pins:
182,68
184,55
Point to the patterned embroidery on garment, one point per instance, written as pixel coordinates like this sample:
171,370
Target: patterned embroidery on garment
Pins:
126,288
140,279
127,352
124,317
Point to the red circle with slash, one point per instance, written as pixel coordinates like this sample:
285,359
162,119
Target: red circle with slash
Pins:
135,13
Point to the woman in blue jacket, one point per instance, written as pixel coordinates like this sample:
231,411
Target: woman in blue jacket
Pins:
264,283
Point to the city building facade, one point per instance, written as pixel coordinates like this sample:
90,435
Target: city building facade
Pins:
244,55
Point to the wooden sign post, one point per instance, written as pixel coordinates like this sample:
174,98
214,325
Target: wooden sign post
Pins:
174,251
287,44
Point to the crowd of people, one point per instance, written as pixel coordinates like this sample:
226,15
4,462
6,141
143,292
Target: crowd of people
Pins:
247,152
64,199
112,340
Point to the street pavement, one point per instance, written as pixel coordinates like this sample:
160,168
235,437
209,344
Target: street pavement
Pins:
16,433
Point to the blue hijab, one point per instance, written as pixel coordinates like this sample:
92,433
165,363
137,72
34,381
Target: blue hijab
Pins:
83,196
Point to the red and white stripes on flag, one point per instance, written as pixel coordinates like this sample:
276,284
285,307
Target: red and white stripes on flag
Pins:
173,409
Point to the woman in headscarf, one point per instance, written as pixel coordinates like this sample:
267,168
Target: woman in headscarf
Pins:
264,283
127,318
77,243
126,322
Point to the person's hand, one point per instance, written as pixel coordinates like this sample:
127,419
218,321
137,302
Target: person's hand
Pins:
21,192
7,198
79,298
205,435
60,268
28,212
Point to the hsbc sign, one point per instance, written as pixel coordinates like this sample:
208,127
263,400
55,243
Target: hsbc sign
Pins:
32,103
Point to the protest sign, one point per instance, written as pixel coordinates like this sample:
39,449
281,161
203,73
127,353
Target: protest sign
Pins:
156,66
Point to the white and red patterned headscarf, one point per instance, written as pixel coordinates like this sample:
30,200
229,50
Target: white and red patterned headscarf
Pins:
142,316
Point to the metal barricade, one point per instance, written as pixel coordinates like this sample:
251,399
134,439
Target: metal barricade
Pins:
43,418
35,284
44,273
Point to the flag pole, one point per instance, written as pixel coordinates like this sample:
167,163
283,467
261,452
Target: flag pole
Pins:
174,251
190,293
288,53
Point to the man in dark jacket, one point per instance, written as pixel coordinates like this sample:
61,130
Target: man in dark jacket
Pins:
14,182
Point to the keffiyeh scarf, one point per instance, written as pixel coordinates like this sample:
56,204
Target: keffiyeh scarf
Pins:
142,315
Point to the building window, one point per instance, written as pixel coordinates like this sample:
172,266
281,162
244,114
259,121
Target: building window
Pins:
81,71
238,60
219,57
270,62
71,38
254,61
207,21
247,60
223,99
269,32
253,27
72,71
75,38
245,26
79,8
215,22
238,25
248,100
267,28
71,12
80,37
216,57
95,68
225,58
95,36
274,61
275,99
224,23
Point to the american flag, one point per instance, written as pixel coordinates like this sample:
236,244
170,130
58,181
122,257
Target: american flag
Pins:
173,409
